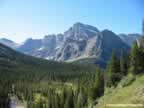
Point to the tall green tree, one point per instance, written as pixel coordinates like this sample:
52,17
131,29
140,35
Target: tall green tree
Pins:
134,62
141,55
113,71
97,88
69,103
123,63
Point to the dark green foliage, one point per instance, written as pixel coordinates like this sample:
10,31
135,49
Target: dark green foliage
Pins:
26,77
82,97
4,101
69,103
62,98
133,65
123,63
136,60
97,88
113,71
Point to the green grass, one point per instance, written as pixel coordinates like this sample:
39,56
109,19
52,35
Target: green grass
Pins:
131,94
88,60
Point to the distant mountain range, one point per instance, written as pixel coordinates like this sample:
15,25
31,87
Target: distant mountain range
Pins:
9,43
130,38
79,42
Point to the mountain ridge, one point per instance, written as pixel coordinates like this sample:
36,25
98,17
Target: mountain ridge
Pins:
79,41
129,39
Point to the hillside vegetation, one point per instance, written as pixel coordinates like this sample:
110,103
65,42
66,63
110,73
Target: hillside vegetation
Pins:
38,83
130,94
124,80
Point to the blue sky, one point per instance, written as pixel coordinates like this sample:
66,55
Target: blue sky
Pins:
21,19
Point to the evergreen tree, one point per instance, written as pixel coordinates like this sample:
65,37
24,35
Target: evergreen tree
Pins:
69,103
82,97
62,97
123,63
97,88
50,99
141,55
56,101
134,66
113,71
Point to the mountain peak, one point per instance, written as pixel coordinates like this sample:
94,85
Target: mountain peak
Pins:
78,24
8,42
81,31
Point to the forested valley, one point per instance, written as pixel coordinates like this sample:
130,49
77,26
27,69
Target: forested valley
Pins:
37,83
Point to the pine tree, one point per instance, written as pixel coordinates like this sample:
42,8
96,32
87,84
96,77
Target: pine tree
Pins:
141,55
134,59
113,71
100,81
63,97
56,101
69,103
97,87
81,99
123,63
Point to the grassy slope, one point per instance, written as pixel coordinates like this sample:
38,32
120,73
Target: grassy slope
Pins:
89,60
132,94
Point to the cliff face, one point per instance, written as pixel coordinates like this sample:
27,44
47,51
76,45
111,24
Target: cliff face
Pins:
79,42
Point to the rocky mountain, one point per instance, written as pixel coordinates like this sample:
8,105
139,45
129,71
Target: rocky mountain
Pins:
30,45
84,41
43,48
8,42
49,47
129,39
80,42
111,42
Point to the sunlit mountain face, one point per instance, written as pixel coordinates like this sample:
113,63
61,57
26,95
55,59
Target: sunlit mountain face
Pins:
79,42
